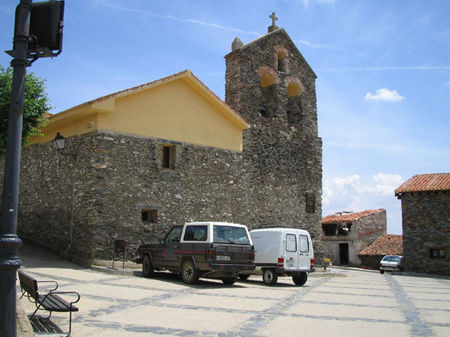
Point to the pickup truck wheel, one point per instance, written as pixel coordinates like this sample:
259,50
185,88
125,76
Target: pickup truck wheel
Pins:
229,280
270,276
147,267
300,279
189,273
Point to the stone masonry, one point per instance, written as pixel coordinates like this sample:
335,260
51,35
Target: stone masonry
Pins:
426,227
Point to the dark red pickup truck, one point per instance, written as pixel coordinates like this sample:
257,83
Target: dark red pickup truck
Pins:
201,249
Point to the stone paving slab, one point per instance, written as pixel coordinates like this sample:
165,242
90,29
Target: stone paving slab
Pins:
194,318
309,326
338,311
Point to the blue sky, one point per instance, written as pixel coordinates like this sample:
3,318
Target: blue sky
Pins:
383,67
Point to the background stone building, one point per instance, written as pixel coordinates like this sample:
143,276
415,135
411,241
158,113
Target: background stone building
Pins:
345,234
425,202
138,161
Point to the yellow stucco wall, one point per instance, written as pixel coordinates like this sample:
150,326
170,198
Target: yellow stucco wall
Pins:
174,111
179,110
74,127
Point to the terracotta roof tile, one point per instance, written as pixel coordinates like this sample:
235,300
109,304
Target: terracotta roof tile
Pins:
387,244
349,217
426,182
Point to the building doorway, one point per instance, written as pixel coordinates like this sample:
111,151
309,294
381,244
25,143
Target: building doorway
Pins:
343,253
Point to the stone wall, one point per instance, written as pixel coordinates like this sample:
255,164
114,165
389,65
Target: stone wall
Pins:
371,261
426,225
79,205
369,229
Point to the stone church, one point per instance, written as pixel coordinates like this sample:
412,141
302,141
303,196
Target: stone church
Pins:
140,160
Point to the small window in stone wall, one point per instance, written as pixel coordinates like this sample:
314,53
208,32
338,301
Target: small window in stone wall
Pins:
168,157
310,202
149,215
294,110
269,101
437,253
294,106
282,61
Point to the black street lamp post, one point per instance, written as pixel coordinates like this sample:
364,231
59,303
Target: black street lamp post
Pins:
37,33
9,241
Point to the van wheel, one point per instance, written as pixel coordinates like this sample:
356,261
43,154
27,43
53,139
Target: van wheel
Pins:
300,280
381,271
189,273
229,280
270,277
147,267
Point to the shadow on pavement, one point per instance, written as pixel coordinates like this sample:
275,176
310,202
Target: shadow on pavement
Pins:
34,256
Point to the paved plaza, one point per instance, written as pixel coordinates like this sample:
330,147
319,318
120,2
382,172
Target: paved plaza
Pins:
342,302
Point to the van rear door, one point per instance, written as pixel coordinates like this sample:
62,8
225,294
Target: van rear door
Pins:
304,260
290,251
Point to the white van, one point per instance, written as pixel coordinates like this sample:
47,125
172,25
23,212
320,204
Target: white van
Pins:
282,252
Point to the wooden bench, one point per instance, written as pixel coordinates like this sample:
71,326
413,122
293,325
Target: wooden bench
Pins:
50,301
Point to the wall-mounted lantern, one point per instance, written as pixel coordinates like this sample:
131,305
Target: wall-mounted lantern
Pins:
60,142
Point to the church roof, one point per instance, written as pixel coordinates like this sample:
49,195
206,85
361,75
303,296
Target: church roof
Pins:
425,183
387,244
101,102
341,217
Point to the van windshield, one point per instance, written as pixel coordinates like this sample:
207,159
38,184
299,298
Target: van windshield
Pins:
230,234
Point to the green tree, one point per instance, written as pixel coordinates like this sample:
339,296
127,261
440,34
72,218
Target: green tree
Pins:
35,106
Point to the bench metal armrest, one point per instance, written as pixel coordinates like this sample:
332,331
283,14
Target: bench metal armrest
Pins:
74,293
54,282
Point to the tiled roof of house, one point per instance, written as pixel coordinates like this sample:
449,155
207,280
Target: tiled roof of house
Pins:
387,244
349,217
426,182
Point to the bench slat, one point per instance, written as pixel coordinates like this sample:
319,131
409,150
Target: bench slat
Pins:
55,303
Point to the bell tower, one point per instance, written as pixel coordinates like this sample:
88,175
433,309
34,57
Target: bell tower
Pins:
271,85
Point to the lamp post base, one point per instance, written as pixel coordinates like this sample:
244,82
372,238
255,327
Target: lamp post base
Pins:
9,263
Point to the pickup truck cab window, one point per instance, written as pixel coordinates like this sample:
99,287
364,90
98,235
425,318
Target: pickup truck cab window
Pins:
196,233
174,235
233,235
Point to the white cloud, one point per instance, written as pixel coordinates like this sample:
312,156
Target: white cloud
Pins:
384,184
385,95
350,193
